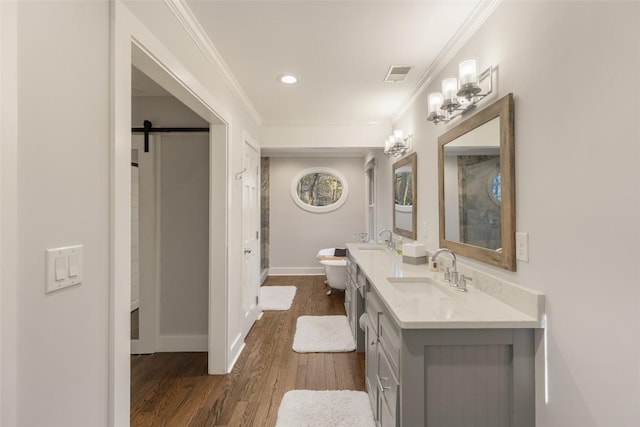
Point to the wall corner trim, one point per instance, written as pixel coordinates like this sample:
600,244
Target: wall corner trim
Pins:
186,17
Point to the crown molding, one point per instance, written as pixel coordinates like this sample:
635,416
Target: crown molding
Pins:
186,17
477,17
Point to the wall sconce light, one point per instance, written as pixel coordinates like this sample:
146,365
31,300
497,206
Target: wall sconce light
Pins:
456,99
397,144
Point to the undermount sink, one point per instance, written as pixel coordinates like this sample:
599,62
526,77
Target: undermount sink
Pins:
422,286
371,248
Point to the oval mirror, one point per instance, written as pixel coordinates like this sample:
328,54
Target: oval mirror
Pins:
319,189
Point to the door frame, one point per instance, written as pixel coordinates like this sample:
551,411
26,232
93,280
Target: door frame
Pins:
133,44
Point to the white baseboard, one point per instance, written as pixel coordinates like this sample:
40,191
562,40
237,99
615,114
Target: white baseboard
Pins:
135,305
173,343
263,275
236,349
296,271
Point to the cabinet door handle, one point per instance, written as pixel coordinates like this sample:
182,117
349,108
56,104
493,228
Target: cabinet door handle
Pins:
381,387
247,251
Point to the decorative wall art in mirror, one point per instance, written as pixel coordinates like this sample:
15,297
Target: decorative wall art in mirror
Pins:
319,189
405,196
476,166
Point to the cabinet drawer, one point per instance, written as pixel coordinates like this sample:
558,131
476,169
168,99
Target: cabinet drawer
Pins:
389,336
388,386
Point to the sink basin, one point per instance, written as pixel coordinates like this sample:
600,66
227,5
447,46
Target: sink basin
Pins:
420,286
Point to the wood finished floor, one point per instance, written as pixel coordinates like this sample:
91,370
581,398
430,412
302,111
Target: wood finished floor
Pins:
173,389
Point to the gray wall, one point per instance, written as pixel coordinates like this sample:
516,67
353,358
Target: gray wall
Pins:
295,234
184,235
163,111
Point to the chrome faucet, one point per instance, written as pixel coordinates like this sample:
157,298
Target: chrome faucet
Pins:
389,240
451,277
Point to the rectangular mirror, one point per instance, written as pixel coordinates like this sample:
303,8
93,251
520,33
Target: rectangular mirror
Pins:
404,196
477,186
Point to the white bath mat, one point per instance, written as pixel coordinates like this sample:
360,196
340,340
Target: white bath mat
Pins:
324,408
277,297
326,334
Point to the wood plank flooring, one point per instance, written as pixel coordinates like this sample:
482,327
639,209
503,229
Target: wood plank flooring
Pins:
173,389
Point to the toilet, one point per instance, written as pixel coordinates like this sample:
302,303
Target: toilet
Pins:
335,269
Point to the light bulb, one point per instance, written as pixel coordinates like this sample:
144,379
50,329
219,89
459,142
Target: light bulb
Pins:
435,102
468,71
449,87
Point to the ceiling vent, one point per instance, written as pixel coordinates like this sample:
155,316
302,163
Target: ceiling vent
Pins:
397,74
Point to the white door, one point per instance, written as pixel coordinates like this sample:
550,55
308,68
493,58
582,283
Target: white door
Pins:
251,233
143,245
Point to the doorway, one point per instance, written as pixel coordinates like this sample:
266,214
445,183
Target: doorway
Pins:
170,189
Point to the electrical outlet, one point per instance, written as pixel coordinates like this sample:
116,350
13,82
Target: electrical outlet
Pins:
522,247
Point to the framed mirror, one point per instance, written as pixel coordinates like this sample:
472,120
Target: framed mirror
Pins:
476,167
405,196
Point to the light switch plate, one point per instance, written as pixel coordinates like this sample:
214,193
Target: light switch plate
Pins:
522,247
63,268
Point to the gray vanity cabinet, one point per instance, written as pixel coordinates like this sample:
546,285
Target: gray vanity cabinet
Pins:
447,377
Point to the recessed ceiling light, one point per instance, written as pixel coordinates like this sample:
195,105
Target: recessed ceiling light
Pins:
288,79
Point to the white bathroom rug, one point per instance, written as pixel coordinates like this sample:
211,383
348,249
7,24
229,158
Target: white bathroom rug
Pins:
325,408
326,334
277,297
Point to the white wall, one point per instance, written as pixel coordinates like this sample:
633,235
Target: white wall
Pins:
63,195
577,177
296,235
8,213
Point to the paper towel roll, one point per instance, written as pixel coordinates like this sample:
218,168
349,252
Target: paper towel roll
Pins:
361,321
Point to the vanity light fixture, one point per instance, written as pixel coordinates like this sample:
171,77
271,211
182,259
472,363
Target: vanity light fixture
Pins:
288,79
460,94
397,144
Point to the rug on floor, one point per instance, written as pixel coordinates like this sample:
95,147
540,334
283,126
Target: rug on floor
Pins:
324,408
277,297
326,334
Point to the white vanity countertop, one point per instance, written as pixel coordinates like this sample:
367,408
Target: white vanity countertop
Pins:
439,305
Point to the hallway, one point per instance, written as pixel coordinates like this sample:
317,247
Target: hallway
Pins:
173,389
